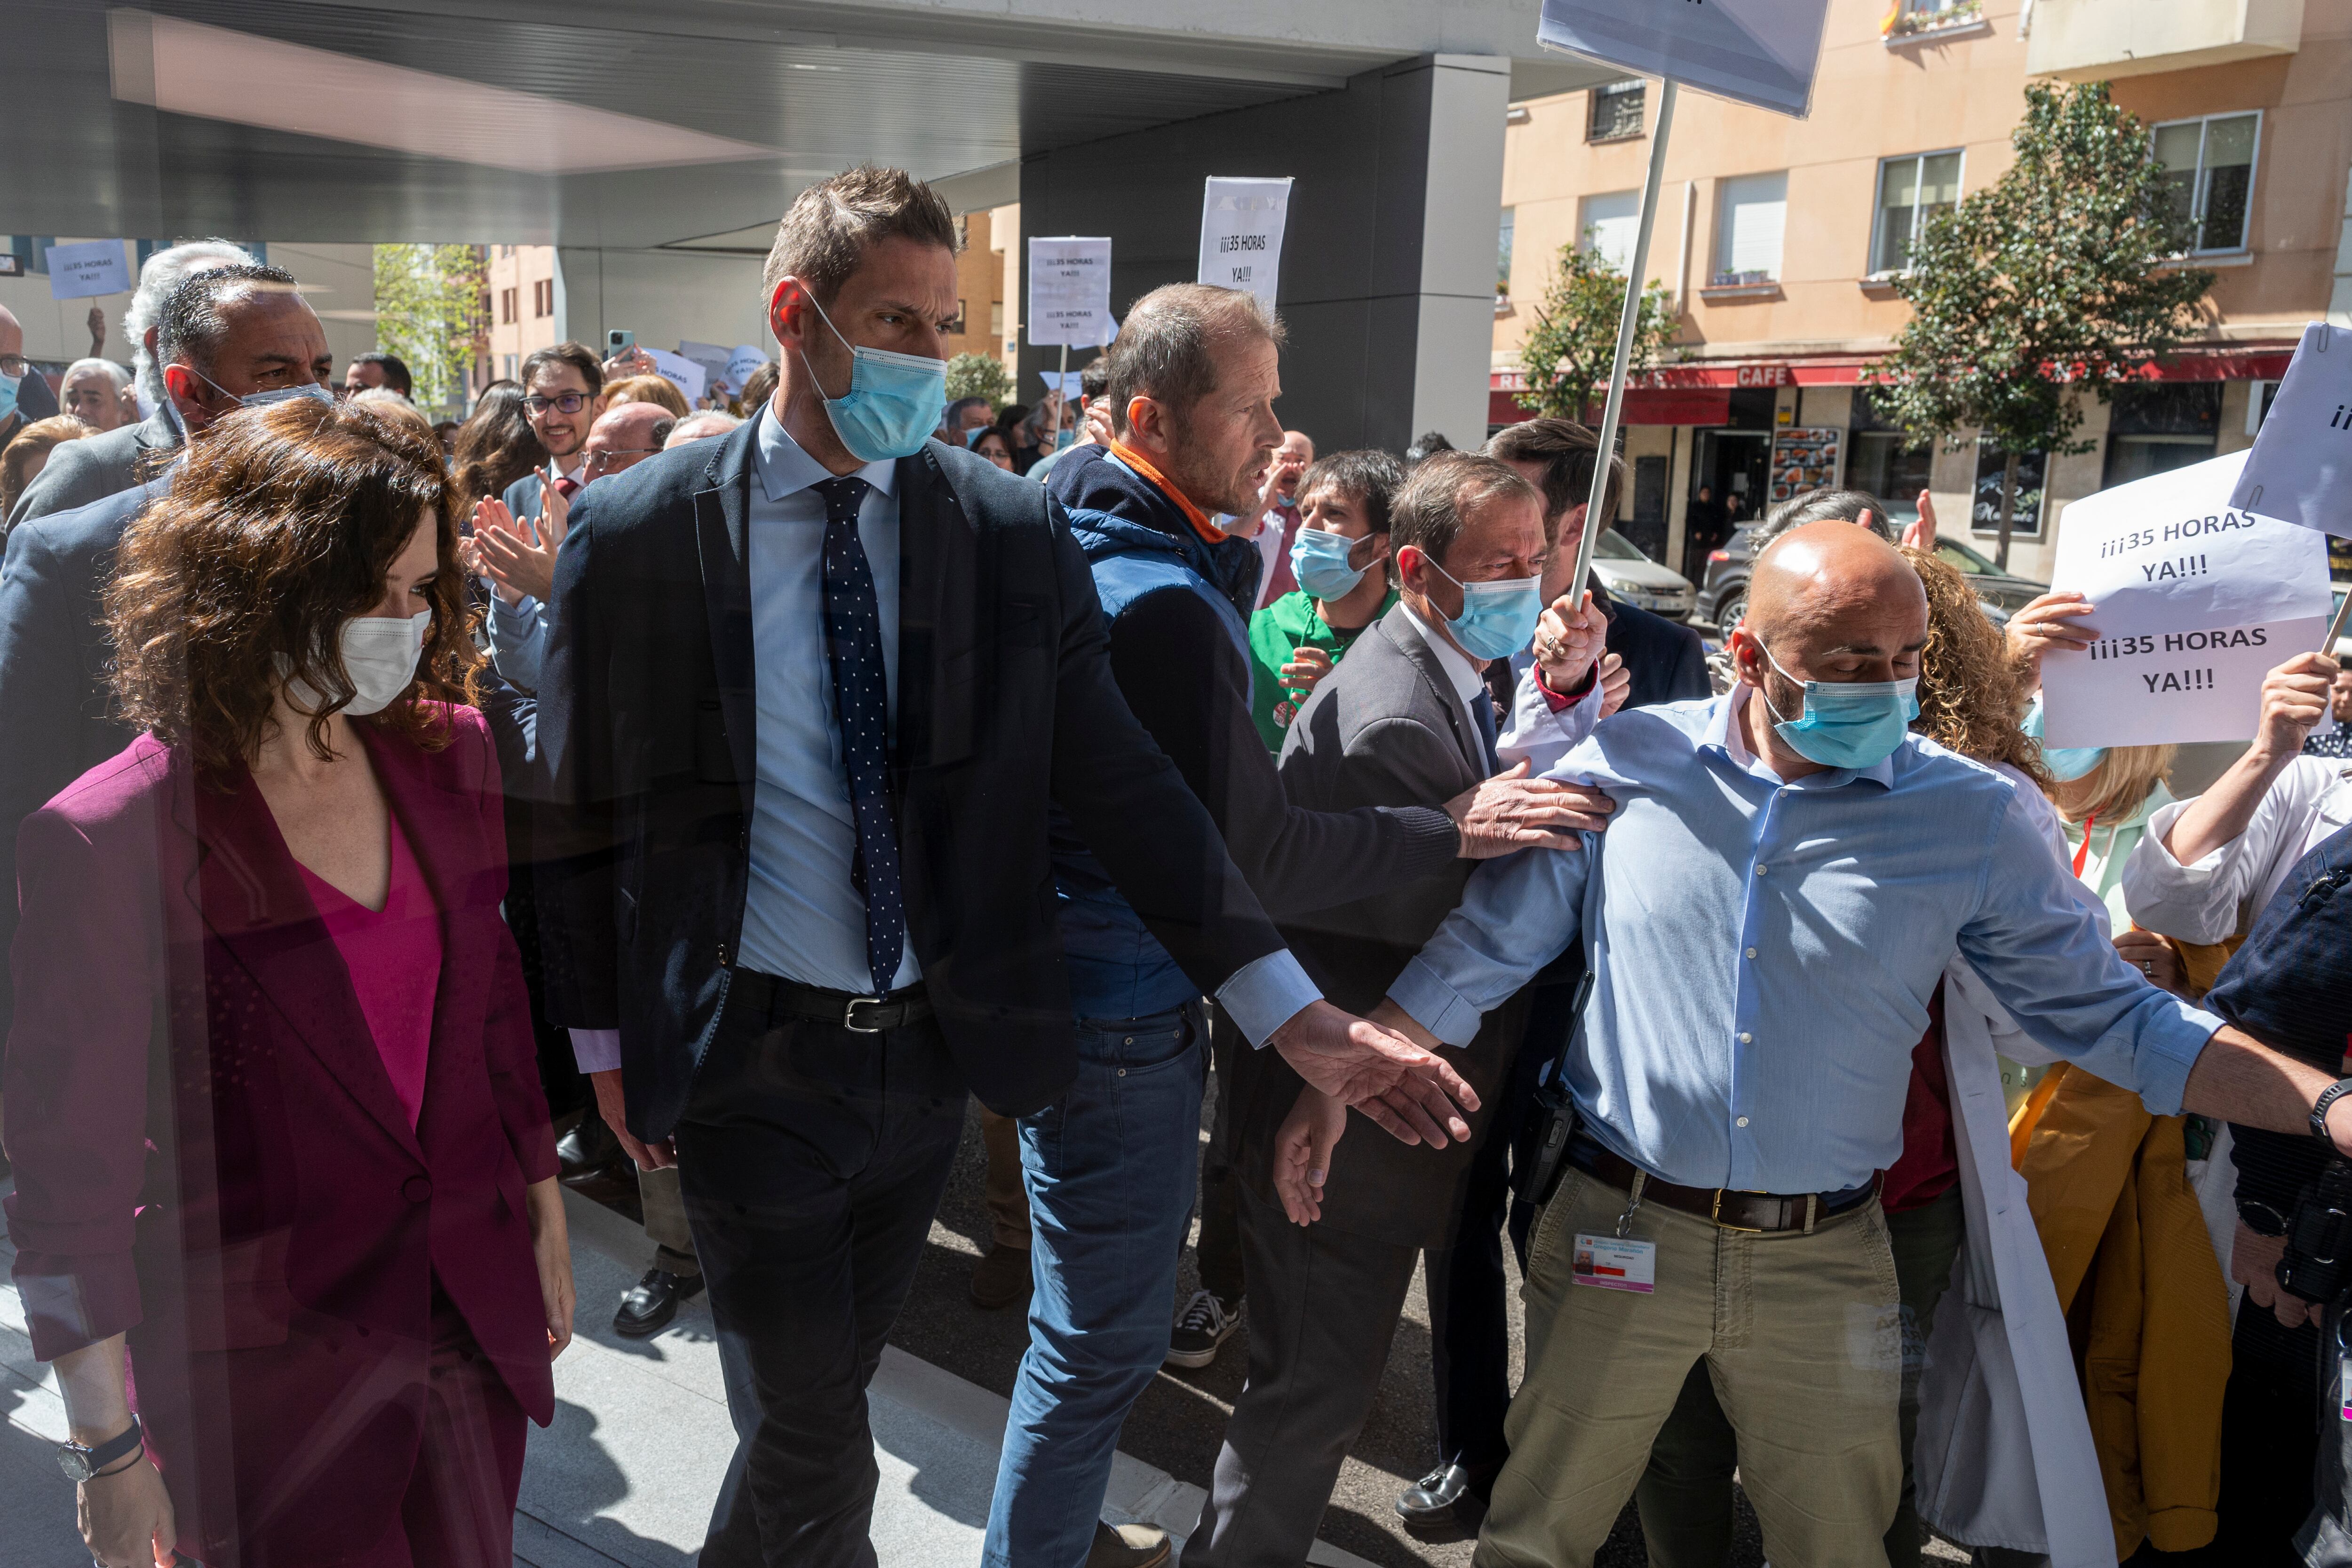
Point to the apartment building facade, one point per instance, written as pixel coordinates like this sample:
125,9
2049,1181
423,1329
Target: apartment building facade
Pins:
526,306
1779,239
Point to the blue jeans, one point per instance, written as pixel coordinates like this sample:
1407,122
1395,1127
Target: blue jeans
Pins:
1111,1169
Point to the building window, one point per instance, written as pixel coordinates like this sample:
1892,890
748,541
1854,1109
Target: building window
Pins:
511,363
2208,165
506,306
954,328
1749,220
996,318
542,298
1882,460
1611,222
2025,518
1503,239
1910,191
2160,426
1910,17
32,252
1616,110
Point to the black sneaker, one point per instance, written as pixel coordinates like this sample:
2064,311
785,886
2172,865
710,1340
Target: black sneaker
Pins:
1201,1330
648,1306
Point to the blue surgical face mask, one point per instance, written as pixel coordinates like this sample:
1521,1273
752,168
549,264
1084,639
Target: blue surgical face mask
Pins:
895,401
2065,763
1322,561
1848,724
8,395
1497,618
312,390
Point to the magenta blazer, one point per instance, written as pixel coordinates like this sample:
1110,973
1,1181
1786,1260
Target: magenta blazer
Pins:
210,1155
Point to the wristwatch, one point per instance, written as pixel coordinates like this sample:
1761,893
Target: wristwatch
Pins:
81,1464
2260,1218
2327,1097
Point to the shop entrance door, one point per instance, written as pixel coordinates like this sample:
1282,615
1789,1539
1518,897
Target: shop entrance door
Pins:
1730,467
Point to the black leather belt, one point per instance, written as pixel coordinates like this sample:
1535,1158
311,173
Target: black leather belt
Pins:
859,1015
1729,1209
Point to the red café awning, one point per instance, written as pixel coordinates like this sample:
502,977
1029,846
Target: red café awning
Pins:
1700,393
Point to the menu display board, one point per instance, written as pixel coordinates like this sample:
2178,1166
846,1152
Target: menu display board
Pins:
1804,457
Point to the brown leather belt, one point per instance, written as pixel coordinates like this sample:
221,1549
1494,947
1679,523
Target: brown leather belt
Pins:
1763,1212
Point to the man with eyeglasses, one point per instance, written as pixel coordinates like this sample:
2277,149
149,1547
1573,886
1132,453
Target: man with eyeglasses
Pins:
564,394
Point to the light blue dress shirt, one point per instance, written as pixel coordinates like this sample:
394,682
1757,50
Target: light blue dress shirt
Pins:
1765,952
801,918
518,639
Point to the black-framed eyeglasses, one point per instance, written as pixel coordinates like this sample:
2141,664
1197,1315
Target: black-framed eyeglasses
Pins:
563,403
14,365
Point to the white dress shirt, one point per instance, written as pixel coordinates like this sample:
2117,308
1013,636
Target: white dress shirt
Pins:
1469,679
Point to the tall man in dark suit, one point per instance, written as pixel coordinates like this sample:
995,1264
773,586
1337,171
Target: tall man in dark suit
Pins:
809,692
1405,719
1540,687
228,333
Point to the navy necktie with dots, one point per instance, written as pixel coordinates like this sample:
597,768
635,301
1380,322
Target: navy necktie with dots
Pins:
861,697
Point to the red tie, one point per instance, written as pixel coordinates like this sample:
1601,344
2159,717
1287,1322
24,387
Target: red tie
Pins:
567,486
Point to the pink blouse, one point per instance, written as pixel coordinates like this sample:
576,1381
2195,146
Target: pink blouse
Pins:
394,959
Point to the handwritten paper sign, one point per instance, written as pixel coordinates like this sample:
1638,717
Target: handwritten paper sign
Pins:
1241,234
1758,51
2301,467
2172,553
2163,689
83,271
745,359
1069,291
679,371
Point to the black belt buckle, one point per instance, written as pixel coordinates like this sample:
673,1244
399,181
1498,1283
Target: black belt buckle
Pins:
849,1015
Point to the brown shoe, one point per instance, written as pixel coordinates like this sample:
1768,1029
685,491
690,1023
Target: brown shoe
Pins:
1128,1546
1001,1278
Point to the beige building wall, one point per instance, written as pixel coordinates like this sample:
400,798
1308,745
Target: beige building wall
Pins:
525,306
1959,89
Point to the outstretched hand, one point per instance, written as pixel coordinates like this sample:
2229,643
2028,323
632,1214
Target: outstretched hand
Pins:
1512,811
1302,1153
1414,1095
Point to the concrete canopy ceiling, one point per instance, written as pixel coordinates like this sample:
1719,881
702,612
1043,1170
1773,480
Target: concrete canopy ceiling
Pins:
609,123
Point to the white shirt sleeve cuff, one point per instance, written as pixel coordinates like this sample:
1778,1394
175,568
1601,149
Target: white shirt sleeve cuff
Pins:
596,1050
1266,993
1435,1005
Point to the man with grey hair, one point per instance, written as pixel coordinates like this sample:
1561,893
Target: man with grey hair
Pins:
700,426
84,471
92,392
1111,1166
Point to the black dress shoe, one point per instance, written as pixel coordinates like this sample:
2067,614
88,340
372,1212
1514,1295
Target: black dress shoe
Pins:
649,1305
589,1146
1452,1493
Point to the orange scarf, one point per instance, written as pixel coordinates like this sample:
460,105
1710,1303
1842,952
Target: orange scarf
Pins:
1193,514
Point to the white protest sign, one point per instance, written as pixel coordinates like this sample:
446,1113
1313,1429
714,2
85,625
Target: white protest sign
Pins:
2301,468
1241,234
712,357
1069,291
679,371
82,271
2170,553
1067,383
740,364
1758,51
2163,689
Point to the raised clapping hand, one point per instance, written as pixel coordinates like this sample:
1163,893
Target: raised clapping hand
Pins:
1512,811
1569,637
2294,698
518,558
1414,1095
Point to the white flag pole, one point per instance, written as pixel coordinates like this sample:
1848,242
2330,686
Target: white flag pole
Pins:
1615,406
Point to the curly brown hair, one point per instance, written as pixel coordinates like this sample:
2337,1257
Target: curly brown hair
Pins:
281,525
1970,696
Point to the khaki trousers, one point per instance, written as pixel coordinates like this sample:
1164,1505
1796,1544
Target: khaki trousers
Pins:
1800,1337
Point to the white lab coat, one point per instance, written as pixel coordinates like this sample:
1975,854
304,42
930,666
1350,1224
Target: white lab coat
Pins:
2219,895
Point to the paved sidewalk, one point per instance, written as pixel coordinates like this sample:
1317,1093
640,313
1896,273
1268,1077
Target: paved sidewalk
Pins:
627,1473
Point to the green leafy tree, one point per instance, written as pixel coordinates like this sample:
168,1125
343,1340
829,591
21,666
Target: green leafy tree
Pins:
432,309
2051,281
1567,353
979,375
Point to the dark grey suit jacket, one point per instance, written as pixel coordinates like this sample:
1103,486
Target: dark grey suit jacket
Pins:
1383,730
80,472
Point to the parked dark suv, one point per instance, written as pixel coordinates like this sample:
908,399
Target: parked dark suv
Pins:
1723,595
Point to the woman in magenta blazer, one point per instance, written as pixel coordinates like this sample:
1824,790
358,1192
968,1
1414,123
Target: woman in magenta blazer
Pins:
270,1091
